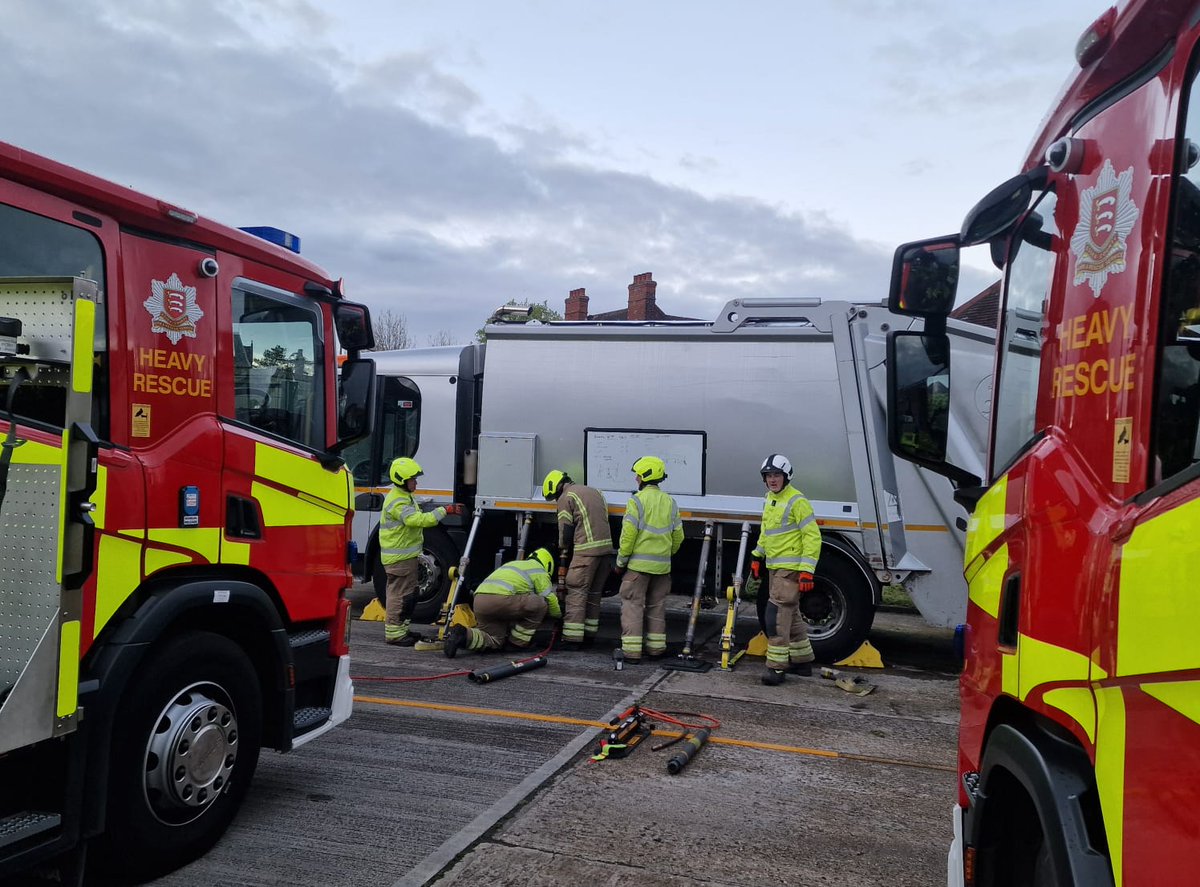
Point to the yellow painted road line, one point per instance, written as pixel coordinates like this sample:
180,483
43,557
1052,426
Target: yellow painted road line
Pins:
600,725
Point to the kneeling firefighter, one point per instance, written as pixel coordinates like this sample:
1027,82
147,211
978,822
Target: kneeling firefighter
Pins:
402,527
511,602
790,543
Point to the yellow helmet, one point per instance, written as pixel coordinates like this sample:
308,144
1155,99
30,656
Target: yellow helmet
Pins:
404,469
545,558
650,469
553,484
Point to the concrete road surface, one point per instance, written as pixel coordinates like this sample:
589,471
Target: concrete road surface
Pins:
456,783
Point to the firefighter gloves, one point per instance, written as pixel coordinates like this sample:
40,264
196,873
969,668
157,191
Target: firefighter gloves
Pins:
454,508
805,583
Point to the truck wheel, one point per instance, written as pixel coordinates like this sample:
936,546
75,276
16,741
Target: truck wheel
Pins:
185,745
433,578
839,610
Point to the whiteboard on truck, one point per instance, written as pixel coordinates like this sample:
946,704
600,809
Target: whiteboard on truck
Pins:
609,454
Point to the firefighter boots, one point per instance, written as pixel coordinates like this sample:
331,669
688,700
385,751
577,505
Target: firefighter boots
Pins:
407,641
800,668
456,639
771,677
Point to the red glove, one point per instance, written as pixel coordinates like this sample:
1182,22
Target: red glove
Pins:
454,508
805,583
618,572
754,568
562,574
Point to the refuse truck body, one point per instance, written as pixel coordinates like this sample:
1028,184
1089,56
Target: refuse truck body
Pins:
713,399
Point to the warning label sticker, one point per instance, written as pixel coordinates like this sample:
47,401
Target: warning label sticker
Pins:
141,420
1122,449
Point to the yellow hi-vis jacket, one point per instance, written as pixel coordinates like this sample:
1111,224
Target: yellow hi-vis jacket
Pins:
586,509
651,533
522,577
402,526
789,538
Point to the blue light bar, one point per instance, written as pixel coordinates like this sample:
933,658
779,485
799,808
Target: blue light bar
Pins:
277,236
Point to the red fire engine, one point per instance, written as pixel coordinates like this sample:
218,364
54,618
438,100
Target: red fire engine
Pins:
1079,748
174,516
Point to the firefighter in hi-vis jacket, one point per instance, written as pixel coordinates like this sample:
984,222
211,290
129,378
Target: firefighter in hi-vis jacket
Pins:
401,538
790,542
651,533
511,602
585,510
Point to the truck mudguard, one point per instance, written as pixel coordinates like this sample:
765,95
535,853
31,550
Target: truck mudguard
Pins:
1056,776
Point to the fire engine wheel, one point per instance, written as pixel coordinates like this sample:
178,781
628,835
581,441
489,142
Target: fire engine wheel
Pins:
433,577
839,610
185,746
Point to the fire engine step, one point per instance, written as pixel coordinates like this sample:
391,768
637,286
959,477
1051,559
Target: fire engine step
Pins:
308,637
29,824
306,719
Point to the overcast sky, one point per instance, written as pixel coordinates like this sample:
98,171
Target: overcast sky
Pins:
449,155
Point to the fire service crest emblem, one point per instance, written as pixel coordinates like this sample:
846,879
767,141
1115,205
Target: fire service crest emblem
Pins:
1106,216
173,309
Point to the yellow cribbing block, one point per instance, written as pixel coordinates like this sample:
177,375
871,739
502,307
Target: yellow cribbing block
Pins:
757,645
463,615
373,612
865,656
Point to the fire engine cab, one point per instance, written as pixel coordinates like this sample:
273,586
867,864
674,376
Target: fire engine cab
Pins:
1079,748
174,516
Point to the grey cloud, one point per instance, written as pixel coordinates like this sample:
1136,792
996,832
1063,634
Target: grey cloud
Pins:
418,214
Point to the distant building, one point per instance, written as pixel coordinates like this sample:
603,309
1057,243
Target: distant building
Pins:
983,309
642,304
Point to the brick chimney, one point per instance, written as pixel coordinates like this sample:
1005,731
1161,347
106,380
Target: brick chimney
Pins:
641,296
577,304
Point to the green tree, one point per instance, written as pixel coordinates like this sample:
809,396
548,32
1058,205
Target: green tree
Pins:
537,311
273,357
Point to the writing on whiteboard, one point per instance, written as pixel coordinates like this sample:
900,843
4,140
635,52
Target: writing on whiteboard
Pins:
611,453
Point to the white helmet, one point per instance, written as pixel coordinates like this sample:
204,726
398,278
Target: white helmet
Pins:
776,462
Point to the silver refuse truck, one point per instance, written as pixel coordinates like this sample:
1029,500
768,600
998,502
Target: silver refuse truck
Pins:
804,378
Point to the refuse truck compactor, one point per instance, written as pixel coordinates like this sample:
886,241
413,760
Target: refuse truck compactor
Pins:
803,377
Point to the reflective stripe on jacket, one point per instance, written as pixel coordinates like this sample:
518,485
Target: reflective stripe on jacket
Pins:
586,510
402,526
651,533
789,538
522,577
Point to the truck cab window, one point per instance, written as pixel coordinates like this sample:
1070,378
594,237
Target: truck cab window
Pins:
277,355
39,259
1031,263
397,432
1175,440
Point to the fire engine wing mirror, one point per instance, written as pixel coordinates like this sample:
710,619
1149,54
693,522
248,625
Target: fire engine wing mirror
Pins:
353,324
925,277
356,402
1001,207
918,410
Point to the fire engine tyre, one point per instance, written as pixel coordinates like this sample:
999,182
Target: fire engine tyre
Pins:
839,610
185,746
433,582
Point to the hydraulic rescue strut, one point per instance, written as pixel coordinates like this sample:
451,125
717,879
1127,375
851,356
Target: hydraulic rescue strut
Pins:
685,661
437,643
733,594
